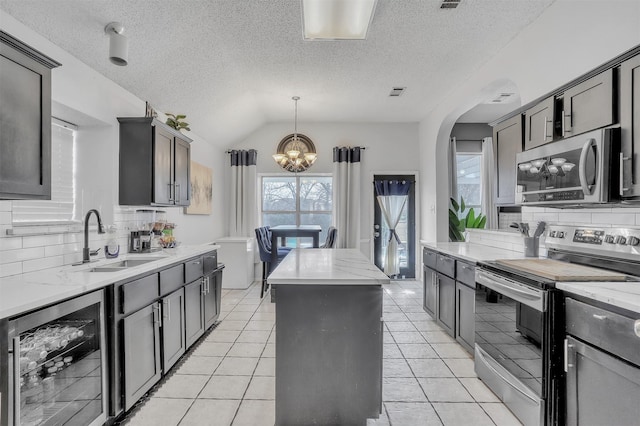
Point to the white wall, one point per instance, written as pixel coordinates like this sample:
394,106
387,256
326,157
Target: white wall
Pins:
84,96
568,39
390,148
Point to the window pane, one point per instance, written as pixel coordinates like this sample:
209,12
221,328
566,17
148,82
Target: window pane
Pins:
274,219
315,193
469,179
322,219
279,194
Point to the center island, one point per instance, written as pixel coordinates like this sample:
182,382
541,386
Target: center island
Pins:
329,333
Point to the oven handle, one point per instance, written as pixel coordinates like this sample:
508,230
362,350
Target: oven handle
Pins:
582,170
530,297
486,362
14,386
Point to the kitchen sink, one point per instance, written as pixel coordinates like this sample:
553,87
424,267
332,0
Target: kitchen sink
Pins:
119,266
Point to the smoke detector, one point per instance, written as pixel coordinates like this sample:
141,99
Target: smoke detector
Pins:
449,4
397,91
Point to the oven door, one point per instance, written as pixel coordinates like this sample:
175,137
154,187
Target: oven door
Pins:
573,170
510,338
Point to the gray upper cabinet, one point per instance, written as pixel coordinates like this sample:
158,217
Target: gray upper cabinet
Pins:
589,105
507,142
630,126
25,120
539,124
154,163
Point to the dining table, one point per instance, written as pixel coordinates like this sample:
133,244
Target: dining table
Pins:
292,231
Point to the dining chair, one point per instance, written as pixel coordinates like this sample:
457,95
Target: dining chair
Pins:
263,239
330,242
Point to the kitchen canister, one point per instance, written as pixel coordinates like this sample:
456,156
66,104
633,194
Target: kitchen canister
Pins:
531,246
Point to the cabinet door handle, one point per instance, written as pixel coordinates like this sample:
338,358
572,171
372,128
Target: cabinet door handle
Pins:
636,327
156,314
170,192
16,379
567,346
600,317
178,197
623,189
544,131
204,286
566,128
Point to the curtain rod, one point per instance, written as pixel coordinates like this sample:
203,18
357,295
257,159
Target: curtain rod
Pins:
229,151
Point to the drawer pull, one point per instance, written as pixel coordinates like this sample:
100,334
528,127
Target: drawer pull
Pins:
636,327
599,317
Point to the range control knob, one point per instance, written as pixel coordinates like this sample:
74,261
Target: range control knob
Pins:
633,241
622,240
560,234
619,239
608,239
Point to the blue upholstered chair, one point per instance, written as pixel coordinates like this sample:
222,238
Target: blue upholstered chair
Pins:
330,242
263,238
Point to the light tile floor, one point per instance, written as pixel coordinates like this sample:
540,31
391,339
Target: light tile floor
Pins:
229,378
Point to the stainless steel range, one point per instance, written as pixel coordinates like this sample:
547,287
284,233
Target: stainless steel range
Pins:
520,315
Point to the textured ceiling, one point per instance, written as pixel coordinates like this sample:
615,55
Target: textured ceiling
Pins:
232,65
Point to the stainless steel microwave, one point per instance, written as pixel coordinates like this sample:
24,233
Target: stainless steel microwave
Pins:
574,171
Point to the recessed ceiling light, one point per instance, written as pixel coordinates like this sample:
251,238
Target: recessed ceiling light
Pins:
337,19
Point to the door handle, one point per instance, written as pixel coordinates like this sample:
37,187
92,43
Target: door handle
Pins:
582,171
376,234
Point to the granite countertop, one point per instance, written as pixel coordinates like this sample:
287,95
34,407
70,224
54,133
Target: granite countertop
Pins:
473,252
26,292
327,267
625,295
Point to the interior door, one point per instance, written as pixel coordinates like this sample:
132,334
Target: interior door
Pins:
406,230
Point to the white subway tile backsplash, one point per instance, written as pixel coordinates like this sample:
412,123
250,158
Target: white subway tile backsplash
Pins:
620,219
11,256
9,269
5,218
5,206
42,240
61,249
40,264
10,243
571,217
72,258
638,219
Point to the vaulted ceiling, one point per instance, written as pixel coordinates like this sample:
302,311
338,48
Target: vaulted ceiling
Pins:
233,65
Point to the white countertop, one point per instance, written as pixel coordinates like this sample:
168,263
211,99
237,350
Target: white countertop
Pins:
26,292
327,267
625,295
473,252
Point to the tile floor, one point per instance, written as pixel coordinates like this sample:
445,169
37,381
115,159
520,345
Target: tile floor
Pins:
229,378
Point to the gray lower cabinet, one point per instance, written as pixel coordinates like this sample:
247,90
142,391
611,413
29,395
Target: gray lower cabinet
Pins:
212,297
446,309
630,126
465,315
142,358
430,291
173,329
194,318
601,389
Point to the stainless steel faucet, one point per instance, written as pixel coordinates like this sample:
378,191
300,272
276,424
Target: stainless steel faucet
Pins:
85,250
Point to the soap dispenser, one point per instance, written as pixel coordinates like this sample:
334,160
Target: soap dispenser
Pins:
112,249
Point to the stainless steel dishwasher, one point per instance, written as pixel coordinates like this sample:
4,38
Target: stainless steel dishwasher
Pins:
602,362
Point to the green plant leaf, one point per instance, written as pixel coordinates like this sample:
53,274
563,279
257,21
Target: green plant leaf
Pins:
471,218
456,206
462,205
180,116
482,223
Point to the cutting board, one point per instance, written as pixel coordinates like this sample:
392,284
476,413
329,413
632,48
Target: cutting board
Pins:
561,271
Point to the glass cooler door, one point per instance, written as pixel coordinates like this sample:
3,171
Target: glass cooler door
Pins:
59,364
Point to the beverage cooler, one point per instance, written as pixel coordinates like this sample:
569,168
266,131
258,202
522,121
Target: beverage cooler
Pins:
57,364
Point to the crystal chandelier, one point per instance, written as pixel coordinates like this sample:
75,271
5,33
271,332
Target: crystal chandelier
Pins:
295,153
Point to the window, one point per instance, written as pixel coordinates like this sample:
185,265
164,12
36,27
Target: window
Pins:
469,180
297,200
61,208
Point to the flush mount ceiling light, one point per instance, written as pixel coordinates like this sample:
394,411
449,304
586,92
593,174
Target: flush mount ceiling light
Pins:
295,153
337,19
118,44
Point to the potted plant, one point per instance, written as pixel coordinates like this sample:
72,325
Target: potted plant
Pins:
175,121
458,225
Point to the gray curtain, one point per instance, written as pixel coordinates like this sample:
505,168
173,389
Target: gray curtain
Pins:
392,196
242,205
488,184
346,195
